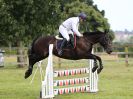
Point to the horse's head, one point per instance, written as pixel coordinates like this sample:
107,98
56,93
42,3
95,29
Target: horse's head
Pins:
106,42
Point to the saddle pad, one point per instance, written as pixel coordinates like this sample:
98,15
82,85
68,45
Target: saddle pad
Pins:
70,45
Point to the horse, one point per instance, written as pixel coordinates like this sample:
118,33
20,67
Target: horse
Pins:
39,49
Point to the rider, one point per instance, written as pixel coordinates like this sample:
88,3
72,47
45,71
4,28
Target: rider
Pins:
70,26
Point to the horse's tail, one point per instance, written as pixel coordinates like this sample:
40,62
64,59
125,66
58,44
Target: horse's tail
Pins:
31,50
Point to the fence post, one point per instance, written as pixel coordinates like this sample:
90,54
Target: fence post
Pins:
126,56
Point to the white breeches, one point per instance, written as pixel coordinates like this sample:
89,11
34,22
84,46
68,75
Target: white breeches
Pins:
64,32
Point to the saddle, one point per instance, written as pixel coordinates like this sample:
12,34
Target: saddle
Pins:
70,45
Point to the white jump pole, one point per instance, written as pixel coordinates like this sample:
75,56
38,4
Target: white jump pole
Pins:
47,84
93,77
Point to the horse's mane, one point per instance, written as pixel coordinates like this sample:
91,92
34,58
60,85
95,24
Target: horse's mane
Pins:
92,33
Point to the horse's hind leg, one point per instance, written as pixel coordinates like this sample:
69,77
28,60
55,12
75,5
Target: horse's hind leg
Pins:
31,63
33,58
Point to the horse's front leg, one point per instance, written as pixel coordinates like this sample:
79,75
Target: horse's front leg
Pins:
91,56
95,66
100,64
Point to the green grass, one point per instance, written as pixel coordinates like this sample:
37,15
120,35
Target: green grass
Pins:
115,82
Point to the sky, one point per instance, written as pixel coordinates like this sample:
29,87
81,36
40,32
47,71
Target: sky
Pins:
118,12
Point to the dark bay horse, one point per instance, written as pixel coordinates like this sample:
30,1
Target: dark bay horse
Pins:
40,49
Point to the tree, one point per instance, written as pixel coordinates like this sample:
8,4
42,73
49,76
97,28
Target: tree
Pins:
89,2
24,19
95,20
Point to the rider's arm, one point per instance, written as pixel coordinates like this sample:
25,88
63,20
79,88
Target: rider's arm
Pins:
75,29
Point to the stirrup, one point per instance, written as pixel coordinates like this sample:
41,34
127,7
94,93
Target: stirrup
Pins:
60,52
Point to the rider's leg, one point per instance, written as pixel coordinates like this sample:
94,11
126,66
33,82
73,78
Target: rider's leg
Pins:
72,40
60,52
63,31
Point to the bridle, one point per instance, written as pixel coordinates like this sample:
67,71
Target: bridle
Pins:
105,40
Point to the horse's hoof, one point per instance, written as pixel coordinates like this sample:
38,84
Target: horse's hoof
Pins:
28,73
98,71
94,69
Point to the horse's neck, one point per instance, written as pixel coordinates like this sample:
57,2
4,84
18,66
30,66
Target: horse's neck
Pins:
94,38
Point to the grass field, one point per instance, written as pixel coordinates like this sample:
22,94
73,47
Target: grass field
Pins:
115,82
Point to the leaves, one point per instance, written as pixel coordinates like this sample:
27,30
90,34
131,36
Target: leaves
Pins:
27,18
95,19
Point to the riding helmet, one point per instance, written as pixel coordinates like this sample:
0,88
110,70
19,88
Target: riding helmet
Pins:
82,15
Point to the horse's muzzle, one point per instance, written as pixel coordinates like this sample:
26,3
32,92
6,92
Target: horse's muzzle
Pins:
109,50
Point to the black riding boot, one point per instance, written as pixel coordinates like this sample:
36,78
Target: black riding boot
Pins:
72,40
60,52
